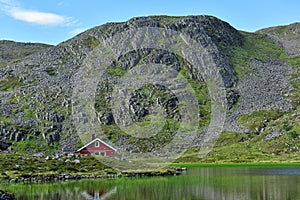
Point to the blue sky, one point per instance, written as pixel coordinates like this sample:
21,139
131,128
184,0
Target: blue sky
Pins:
53,21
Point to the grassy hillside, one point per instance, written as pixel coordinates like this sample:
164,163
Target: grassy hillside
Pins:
274,135
291,31
39,116
12,52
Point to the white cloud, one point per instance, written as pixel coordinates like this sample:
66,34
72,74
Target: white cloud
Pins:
6,5
37,17
12,9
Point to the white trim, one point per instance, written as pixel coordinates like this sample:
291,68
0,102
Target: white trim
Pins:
97,139
97,144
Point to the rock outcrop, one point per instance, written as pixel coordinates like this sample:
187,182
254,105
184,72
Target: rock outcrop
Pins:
36,93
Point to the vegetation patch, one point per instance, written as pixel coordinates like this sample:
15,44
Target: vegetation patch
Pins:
115,70
22,165
13,52
258,119
33,146
295,81
150,97
5,119
28,114
255,46
91,42
50,71
228,138
260,164
10,83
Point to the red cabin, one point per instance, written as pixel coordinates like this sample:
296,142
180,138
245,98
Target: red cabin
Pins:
97,147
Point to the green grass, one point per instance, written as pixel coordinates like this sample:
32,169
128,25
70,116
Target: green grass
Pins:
91,42
258,119
228,138
10,83
242,153
4,64
253,148
28,114
256,46
286,32
18,165
16,51
263,164
230,145
34,145
50,71
277,31
5,119
170,125
295,96
294,62
201,91
115,71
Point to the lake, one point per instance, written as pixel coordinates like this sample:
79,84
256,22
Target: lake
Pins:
207,183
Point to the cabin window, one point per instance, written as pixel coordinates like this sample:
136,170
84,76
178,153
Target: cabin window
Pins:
97,144
102,153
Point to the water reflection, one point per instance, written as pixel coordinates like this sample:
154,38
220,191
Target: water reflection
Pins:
248,183
198,183
99,194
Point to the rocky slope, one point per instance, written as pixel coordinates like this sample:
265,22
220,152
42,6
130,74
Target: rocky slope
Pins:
258,72
16,51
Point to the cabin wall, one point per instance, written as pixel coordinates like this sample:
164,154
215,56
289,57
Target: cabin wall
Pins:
110,153
92,149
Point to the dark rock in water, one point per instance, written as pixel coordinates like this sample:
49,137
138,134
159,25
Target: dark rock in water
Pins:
181,169
4,195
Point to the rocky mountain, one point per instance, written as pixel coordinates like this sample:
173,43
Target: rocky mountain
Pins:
12,52
245,85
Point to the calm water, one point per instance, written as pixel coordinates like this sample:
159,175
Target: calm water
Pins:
219,183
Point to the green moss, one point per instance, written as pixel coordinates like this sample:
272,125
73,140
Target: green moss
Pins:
4,64
30,146
260,164
228,138
50,71
294,62
295,93
241,148
24,165
257,119
255,46
201,91
280,31
16,51
5,119
105,88
91,42
115,71
10,83
28,114
285,32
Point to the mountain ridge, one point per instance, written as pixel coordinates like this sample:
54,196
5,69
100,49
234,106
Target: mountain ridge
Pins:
255,68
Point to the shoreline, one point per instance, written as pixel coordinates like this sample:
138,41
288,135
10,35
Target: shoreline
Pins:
67,177
250,164
175,170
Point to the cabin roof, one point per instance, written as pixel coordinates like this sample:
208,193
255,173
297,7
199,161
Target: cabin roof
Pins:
96,139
